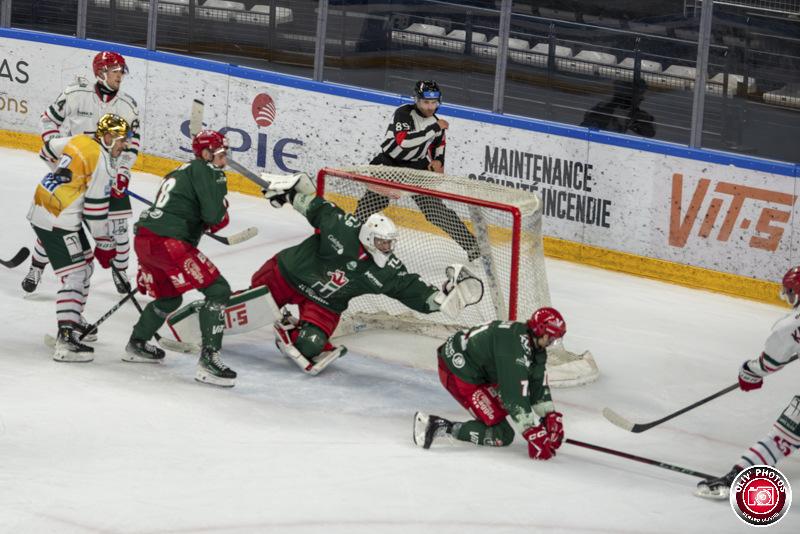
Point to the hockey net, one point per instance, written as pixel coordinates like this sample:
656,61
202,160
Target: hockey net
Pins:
493,230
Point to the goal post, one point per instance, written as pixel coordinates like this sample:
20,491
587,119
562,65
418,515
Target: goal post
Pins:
493,230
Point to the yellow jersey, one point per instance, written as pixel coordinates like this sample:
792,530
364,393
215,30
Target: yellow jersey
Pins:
77,190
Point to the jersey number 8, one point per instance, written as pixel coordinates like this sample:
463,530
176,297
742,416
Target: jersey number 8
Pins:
163,193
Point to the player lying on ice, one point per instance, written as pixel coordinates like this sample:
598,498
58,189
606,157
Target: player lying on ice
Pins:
343,259
495,370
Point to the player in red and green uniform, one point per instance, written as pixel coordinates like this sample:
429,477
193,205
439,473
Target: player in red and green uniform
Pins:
496,370
343,260
191,201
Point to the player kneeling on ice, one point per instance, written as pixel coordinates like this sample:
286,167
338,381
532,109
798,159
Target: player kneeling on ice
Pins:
780,348
495,370
190,201
342,260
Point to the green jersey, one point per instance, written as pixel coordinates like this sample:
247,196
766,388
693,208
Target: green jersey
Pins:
190,199
501,353
331,267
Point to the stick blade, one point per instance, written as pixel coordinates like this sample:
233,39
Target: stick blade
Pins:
178,346
616,419
196,117
244,235
18,258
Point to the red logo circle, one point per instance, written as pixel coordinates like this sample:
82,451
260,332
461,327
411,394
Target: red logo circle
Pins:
263,110
760,495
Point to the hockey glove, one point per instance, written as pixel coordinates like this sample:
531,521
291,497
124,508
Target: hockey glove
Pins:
120,184
214,228
104,251
555,428
461,289
283,187
748,380
539,446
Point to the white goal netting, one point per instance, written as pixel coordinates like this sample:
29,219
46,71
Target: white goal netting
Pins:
493,230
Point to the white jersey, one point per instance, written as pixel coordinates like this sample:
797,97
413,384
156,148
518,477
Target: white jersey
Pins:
77,110
781,345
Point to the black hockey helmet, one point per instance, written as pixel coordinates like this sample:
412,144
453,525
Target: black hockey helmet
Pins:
427,90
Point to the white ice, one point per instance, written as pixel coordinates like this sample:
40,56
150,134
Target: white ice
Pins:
114,447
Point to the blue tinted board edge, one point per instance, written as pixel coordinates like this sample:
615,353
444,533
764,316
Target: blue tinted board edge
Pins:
512,121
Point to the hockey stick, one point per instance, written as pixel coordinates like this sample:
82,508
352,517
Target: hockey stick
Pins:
636,428
233,239
50,341
18,258
648,461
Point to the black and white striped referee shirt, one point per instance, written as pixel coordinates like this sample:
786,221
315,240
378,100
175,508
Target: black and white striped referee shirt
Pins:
411,137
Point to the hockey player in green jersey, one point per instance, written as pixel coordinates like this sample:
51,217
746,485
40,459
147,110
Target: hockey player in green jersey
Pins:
343,260
191,201
495,370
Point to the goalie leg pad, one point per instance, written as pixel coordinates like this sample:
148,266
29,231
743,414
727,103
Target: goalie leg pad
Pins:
284,343
310,340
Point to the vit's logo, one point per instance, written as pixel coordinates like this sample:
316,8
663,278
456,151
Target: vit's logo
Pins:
236,315
682,221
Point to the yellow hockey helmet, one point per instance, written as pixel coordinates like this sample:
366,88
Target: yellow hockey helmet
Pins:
114,125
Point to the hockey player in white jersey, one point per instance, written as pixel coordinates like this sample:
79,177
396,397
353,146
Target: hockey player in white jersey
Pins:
74,194
783,438
76,111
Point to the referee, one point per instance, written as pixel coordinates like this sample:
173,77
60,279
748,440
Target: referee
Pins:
415,139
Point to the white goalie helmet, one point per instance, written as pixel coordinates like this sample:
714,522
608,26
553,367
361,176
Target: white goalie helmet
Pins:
378,235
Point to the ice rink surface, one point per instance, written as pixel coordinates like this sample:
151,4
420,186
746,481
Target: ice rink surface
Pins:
114,447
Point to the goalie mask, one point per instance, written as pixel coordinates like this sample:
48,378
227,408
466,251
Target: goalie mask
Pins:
790,292
547,322
378,235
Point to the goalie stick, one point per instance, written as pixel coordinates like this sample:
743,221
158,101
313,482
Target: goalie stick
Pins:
233,239
18,258
642,459
616,419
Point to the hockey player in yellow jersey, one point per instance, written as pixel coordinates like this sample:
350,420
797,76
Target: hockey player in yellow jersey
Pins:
77,192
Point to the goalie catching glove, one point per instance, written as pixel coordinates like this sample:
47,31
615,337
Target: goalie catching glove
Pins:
461,289
283,187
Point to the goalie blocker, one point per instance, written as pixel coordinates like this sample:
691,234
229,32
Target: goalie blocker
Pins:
255,308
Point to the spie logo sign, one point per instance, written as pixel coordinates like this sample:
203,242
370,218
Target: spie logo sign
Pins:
727,201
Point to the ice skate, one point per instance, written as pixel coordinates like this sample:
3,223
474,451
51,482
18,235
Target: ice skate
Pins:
429,427
69,348
212,370
140,351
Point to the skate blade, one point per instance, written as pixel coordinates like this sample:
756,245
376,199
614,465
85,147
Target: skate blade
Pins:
73,357
132,358
420,426
207,378
707,493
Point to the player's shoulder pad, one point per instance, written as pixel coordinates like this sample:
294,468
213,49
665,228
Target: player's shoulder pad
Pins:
80,85
128,99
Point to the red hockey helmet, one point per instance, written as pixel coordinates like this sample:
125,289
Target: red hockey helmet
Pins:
790,292
547,321
105,61
210,139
